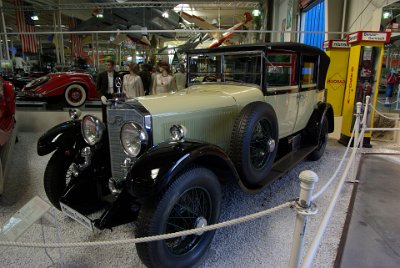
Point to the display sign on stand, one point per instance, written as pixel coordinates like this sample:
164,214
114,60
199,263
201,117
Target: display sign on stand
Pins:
338,51
363,75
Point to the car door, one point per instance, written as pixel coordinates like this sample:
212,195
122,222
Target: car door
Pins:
307,96
282,88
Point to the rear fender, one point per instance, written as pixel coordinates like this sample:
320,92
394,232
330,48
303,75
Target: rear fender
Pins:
325,109
157,168
61,135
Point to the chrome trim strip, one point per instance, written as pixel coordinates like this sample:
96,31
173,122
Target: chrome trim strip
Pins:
67,85
308,85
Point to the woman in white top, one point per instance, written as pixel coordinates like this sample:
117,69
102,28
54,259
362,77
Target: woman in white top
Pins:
180,77
132,83
164,81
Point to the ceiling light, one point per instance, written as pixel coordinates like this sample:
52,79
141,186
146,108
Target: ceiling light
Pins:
35,17
256,12
182,7
165,14
386,14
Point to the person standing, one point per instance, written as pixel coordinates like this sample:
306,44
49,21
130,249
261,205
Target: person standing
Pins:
180,77
145,75
164,81
19,64
106,81
132,83
391,82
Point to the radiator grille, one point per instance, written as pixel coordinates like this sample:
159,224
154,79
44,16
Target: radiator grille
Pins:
116,117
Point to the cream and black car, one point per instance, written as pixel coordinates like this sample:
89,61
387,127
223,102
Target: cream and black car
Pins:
249,114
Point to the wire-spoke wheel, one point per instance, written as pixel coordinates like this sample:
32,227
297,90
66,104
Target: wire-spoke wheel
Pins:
192,201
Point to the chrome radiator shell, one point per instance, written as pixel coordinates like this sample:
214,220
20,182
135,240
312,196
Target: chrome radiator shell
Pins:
117,115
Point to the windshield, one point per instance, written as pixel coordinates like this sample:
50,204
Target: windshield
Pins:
240,68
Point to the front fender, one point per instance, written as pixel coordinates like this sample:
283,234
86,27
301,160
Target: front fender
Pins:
63,134
157,168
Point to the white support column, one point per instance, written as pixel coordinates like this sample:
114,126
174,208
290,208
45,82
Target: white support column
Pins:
56,38
3,23
61,45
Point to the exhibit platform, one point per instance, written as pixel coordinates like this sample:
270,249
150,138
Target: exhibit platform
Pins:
371,236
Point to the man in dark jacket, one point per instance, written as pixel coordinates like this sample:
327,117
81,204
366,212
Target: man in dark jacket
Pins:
106,81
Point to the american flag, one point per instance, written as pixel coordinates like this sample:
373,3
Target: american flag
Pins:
25,24
76,40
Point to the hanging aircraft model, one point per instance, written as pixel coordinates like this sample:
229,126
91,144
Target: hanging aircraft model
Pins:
220,38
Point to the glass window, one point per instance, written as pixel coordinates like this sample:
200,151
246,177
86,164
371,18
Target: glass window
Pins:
204,68
243,68
308,70
281,69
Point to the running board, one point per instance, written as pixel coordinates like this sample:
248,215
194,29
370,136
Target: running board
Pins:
287,162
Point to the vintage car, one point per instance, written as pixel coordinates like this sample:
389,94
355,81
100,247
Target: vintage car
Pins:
72,87
160,160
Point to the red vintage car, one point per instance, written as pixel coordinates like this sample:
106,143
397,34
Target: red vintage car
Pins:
7,110
73,87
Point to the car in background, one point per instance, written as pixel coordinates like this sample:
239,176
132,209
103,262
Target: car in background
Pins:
7,127
73,87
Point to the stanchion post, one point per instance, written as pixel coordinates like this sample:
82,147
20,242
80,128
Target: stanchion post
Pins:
304,207
356,134
364,121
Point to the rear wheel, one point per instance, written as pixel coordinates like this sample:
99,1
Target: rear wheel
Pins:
75,95
193,200
322,141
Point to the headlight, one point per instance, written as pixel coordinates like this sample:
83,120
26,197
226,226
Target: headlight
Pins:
133,137
92,129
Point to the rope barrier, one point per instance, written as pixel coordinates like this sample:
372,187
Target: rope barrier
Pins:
334,176
381,114
151,238
390,103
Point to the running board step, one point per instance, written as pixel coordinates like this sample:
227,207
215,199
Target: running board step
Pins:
287,162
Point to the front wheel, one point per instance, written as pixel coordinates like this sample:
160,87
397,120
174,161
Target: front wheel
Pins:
193,200
56,177
75,95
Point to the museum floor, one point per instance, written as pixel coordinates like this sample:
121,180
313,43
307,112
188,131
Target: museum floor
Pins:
265,242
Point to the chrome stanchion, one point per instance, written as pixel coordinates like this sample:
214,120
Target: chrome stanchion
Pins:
304,207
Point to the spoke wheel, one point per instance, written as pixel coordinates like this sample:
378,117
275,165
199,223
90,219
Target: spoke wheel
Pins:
193,200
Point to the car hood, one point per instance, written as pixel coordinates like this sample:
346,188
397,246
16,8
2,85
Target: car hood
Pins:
201,97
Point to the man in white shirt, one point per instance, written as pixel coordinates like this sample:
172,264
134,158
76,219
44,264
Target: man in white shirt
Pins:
106,80
19,63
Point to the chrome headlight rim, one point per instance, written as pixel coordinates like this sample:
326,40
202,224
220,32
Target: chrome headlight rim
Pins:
142,140
95,136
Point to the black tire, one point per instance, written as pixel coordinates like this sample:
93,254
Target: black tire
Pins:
322,141
195,195
75,95
55,177
254,142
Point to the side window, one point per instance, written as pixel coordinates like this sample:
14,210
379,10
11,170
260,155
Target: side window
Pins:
280,69
243,68
204,68
309,67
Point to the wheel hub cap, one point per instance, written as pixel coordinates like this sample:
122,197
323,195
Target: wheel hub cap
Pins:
271,145
200,223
